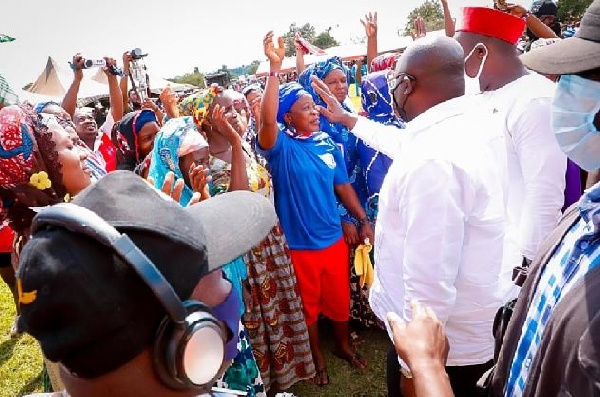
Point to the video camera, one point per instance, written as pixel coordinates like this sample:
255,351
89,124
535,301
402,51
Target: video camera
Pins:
100,63
137,54
138,75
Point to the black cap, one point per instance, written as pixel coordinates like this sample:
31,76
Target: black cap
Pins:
544,7
91,311
574,54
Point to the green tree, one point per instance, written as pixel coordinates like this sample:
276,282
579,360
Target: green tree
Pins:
307,31
572,9
196,78
325,39
253,67
433,14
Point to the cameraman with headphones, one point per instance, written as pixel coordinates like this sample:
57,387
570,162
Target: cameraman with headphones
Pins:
131,305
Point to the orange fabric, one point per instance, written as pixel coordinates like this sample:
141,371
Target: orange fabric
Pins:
324,282
492,23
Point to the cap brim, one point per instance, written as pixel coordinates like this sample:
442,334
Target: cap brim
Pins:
233,223
568,56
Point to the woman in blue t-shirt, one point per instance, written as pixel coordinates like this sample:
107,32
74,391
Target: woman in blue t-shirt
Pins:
309,174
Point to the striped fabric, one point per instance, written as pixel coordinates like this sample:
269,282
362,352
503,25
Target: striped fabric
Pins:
577,254
7,96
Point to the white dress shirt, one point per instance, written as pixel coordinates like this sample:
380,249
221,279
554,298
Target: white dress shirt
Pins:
440,229
536,169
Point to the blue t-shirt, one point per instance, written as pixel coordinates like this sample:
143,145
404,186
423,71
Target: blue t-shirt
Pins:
304,173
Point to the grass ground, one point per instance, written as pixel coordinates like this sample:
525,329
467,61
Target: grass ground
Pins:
21,363
20,359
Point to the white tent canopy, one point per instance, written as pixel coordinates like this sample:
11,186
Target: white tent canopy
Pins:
54,81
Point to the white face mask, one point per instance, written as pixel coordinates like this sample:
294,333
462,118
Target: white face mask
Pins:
574,106
472,85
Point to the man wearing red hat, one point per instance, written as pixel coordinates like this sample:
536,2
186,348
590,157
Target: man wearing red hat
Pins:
536,164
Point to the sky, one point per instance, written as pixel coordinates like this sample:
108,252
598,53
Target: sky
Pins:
178,35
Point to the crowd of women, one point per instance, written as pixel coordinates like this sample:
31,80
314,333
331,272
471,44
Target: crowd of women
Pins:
273,141
219,140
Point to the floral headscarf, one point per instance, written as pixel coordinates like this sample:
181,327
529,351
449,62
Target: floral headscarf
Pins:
377,99
198,105
124,137
175,139
30,174
384,61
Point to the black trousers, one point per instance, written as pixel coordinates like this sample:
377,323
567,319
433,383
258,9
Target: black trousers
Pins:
463,379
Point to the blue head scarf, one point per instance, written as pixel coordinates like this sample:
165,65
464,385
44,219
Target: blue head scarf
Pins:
377,98
321,70
288,95
338,132
177,134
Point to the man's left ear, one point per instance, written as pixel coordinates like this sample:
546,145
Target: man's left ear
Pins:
409,86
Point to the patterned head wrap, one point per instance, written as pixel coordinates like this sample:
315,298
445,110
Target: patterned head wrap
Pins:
175,139
377,99
288,95
39,107
198,105
384,61
321,70
125,137
30,174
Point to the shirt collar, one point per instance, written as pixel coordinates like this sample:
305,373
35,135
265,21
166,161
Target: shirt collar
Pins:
441,112
589,206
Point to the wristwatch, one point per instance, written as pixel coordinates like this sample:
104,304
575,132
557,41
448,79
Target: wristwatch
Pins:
363,221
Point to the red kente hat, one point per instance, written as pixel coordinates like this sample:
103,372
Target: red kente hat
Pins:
492,23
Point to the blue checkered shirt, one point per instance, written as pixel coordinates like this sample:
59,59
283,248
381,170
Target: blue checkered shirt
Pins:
577,254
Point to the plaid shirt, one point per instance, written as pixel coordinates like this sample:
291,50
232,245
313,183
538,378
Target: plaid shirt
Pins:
577,254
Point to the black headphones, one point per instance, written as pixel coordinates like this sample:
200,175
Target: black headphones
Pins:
189,347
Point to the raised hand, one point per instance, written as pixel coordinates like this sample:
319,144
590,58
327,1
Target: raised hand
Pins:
420,29
127,58
78,64
222,124
298,46
516,10
110,63
199,179
275,54
334,111
370,24
149,104
174,189
168,97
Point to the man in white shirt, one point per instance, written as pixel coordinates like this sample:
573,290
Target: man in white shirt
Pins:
440,229
536,165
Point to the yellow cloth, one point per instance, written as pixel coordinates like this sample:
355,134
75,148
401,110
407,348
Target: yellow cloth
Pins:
362,264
